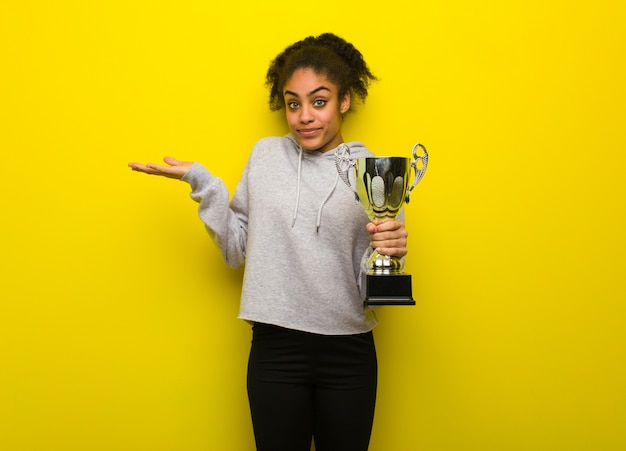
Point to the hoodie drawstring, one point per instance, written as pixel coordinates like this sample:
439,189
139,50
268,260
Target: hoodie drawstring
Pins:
295,210
318,222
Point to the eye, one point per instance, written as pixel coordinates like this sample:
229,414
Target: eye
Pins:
320,102
292,105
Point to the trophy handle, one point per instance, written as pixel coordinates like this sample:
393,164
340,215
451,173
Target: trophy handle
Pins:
344,164
419,172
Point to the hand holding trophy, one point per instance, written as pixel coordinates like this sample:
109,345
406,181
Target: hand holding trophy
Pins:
382,187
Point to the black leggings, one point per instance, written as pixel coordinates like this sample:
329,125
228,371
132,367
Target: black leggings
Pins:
303,385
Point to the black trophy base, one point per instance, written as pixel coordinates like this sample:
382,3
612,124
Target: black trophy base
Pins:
388,289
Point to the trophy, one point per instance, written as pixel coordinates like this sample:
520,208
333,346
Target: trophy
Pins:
382,186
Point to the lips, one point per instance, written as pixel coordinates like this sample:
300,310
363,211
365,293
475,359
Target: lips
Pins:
308,131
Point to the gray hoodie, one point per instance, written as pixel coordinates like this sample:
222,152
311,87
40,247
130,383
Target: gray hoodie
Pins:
300,233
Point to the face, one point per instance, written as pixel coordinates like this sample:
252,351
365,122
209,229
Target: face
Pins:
314,111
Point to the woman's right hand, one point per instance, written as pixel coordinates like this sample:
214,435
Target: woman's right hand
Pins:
175,169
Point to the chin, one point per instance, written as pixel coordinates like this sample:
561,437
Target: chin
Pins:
310,144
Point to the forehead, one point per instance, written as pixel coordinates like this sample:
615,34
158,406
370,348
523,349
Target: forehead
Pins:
304,82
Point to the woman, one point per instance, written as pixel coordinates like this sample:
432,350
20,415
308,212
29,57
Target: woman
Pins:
312,369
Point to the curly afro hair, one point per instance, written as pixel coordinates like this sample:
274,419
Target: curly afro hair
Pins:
326,54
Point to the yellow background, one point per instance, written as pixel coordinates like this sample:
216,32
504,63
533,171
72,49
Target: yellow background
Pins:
117,315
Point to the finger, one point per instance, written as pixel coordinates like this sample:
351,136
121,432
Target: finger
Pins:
392,251
392,243
152,169
388,225
172,161
381,226
157,168
391,235
140,167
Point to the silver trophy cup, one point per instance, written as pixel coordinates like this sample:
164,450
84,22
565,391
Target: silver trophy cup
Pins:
382,185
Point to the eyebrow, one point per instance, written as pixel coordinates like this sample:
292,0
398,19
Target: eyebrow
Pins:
316,90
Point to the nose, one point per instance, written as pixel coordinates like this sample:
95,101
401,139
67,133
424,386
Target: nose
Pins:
306,115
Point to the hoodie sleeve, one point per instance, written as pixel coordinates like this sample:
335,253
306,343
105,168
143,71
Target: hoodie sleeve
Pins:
226,223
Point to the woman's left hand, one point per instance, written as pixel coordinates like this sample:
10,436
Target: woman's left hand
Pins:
388,237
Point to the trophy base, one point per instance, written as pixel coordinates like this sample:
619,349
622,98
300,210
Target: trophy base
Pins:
388,289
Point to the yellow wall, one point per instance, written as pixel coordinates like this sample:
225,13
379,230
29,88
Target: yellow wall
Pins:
117,315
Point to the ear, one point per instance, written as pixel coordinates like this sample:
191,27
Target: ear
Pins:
344,106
